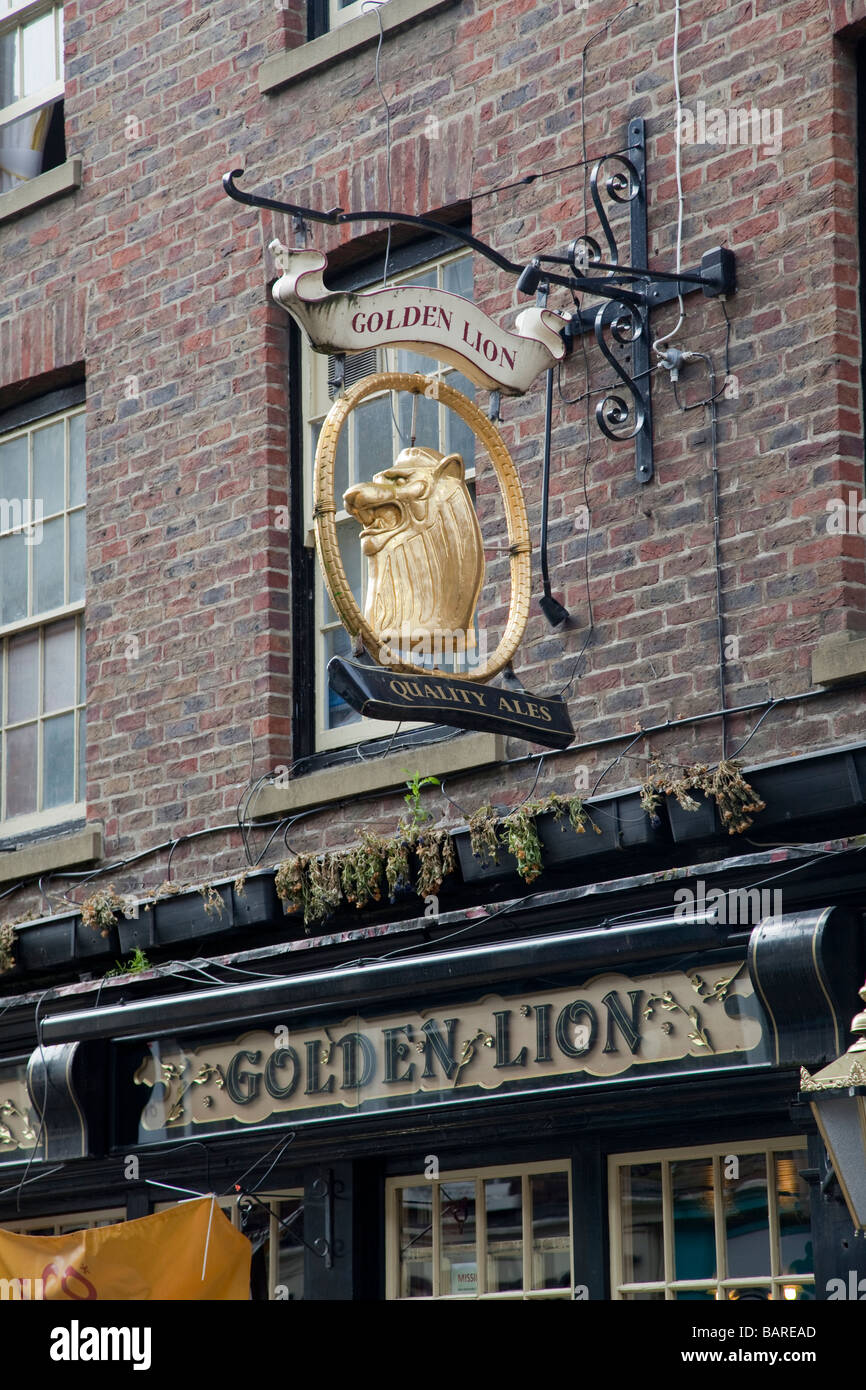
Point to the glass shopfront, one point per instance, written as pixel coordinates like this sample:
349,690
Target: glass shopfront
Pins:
712,1222
493,1233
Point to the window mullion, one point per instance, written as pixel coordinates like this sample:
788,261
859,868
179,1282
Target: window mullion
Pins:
481,1235
668,1226
526,1227
274,1252
719,1216
4,672
437,1252
773,1212
40,718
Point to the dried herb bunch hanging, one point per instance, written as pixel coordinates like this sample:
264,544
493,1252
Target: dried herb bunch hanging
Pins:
290,881
324,890
736,800
436,860
483,836
398,867
99,910
521,838
725,784
573,808
7,945
362,868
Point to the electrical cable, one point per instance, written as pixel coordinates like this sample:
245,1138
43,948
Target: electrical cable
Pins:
639,735
599,390
547,173
712,401
282,1144
38,1025
37,1177
367,7
679,176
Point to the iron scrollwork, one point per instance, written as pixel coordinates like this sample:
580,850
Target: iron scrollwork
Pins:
621,418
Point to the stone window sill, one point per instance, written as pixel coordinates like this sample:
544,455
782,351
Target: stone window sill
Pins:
44,188
347,39
83,846
344,782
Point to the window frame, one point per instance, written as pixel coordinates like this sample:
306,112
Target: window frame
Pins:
670,1285
393,1267
66,1223
404,265
338,16
17,422
325,16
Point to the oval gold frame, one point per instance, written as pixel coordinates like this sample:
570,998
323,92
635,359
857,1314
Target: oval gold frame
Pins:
325,511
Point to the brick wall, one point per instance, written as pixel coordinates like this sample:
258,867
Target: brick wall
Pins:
159,284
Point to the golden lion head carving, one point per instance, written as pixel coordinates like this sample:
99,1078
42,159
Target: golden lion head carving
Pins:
423,544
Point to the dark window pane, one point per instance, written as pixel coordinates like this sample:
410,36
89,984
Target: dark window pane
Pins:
426,420
642,1236
416,1241
459,1271
23,677
457,277
337,643
794,1220
21,770
58,760
48,566
49,467
374,438
551,1236
13,578
58,666
504,1208
746,1215
13,472
290,1259
694,1226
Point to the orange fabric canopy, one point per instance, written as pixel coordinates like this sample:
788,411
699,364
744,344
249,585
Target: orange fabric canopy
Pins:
190,1251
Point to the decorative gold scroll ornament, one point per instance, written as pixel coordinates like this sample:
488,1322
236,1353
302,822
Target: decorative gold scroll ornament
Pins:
420,534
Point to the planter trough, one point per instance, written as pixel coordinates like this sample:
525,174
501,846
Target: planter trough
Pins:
39,945
257,905
184,918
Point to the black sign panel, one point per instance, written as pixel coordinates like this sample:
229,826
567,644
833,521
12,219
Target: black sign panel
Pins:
381,693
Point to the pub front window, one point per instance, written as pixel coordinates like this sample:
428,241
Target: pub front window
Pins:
496,1233
712,1223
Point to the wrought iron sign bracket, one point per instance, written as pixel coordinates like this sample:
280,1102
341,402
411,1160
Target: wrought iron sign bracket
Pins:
629,292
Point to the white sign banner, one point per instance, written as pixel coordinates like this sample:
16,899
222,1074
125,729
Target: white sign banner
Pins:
432,322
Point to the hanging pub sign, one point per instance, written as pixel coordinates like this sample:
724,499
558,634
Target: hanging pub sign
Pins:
604,1028
418,654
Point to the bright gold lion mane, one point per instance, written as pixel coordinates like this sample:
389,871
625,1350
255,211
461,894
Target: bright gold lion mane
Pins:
423,545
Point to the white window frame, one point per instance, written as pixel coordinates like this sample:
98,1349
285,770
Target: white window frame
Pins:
40,622
393,1188
338,16
721,1284
15,18
66,1223
315,405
